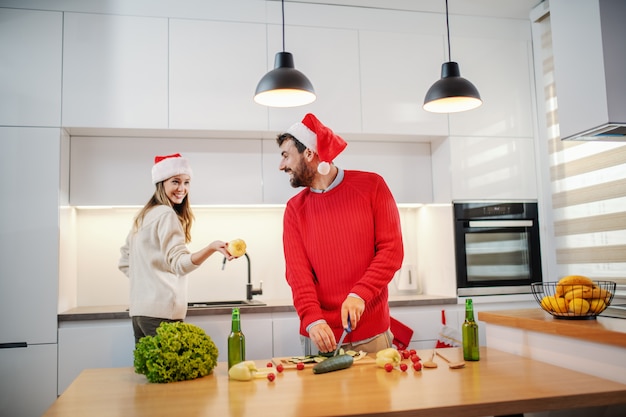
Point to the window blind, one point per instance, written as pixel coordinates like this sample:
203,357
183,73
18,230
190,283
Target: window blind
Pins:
588,188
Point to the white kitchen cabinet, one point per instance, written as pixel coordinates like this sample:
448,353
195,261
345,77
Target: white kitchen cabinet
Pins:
29,162
470,168
501,70
286,333
276,187
115,71
93,344
396,71
29,276
116,170
30,74
257,329
405,166
28,380
110,343
229,171
212,82
333,71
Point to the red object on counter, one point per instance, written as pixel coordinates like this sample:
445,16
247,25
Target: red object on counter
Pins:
401,333
448,337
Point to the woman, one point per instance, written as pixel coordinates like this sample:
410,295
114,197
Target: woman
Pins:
155,256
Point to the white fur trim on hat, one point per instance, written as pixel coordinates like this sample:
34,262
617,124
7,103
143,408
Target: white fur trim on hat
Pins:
323,168
304,135
169,167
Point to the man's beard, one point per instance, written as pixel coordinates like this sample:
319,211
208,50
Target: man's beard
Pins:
303,175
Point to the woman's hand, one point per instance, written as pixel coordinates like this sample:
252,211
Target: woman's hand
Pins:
220,246
198,258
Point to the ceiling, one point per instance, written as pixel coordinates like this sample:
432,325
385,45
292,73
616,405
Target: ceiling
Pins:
514,9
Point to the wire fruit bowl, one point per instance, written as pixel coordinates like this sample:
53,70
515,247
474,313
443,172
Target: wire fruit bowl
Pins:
576,301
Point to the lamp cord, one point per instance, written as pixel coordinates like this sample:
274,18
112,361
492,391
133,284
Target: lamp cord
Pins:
283,7
448,28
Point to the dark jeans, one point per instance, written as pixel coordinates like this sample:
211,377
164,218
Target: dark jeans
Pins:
146,326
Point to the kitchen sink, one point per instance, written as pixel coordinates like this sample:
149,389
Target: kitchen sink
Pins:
217,304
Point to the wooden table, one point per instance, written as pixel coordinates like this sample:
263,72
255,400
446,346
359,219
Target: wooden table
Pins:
500,383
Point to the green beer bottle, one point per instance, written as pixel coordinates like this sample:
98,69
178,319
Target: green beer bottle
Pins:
470,334
236,341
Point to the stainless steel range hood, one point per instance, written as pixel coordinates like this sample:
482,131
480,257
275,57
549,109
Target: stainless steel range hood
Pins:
589,47
607,132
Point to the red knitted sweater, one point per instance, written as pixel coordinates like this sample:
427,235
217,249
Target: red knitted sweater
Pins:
346,240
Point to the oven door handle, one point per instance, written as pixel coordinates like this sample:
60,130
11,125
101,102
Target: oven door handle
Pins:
500,223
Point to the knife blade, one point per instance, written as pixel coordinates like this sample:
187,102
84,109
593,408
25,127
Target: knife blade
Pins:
343,336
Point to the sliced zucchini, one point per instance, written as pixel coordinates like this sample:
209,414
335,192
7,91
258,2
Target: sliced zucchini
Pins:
303,359
335,363
330,354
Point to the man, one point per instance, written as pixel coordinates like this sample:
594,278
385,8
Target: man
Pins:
342,242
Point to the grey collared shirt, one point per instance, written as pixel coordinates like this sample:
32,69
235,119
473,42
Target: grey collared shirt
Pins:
333,184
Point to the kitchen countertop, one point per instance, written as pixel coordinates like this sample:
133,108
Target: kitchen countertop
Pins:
273,306
499,384
603,330
595,347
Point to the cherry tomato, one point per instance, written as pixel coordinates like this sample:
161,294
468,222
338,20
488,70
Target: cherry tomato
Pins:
388,367
403,367
417,366
415,358
271,376
413,352
405,354
300,366
280,368
269,365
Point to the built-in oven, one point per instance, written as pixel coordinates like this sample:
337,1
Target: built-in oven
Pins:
496,247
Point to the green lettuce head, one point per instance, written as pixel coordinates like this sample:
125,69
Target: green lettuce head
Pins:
179,351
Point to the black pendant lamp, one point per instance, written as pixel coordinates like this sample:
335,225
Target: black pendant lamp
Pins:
284,86
452,93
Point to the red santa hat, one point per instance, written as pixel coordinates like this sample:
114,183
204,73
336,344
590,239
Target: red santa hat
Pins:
320,139
168,166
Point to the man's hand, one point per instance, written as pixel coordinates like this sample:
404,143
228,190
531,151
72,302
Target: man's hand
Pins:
323,337
353,306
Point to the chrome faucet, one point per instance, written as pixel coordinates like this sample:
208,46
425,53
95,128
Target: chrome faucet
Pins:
250,290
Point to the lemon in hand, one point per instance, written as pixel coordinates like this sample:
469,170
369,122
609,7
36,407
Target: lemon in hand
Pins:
236,247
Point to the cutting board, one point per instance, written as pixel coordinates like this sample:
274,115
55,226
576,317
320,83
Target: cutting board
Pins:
287,364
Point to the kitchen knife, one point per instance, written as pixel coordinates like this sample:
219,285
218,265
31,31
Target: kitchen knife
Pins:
343,336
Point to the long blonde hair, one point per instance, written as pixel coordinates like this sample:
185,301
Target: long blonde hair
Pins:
183,210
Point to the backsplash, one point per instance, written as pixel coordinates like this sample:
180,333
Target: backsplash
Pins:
91,239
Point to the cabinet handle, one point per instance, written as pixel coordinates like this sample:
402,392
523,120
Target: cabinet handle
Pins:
13,345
